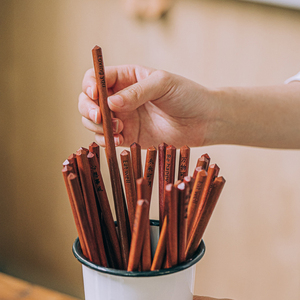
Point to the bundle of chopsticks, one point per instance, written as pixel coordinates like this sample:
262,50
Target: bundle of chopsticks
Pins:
185,206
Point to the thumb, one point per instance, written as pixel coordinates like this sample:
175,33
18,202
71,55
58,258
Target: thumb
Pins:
155,86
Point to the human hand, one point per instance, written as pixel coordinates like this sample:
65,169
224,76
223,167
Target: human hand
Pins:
150,107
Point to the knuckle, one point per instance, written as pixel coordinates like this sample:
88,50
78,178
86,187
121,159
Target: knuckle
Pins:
163,76
135,92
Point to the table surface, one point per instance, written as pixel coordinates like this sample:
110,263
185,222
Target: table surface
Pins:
16,289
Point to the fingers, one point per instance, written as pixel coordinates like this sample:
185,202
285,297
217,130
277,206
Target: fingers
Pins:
151,88
118,138
98,129
88,108
89,86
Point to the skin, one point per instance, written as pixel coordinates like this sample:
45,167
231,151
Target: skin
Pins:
153,106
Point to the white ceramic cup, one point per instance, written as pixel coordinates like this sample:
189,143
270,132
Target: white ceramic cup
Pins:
176,283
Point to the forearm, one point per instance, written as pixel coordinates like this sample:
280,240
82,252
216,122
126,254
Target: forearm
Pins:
258,116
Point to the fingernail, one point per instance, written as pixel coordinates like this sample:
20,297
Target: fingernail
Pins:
93,115
89,92
115,124
116,100
117,140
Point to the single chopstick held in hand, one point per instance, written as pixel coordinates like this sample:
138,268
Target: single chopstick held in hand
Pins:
111,154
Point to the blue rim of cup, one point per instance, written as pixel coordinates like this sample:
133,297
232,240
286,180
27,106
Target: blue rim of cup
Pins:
180,267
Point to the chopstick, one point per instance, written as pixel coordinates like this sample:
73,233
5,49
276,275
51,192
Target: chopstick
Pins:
90,201
183,200
203,216
149,171
111,157
136,158
140,225
160,248
106,213
170,158
171,211
67,169
161,180
95,149
195,196
87,234
129,184
184,161
202,162
142,192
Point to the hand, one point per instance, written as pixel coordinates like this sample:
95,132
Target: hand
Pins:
150,107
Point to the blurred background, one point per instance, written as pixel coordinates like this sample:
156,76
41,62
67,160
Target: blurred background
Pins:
252,240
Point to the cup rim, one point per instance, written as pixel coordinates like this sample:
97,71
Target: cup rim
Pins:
180,267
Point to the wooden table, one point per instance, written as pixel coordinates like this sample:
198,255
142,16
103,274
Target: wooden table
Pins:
16,289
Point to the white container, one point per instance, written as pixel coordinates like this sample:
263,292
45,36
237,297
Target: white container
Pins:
175,283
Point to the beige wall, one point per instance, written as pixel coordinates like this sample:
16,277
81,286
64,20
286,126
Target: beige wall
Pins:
252,240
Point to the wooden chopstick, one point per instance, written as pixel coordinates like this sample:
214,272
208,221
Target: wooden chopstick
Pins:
171,210
161,180
88,236
110,150
142,192
169,175
203,217
183,200
82,238
136,158
102,199
184,161
129,184
149,171
202,162
95,149
195,197
160,248
90,201
140,224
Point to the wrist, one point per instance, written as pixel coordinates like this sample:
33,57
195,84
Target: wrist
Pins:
218,119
